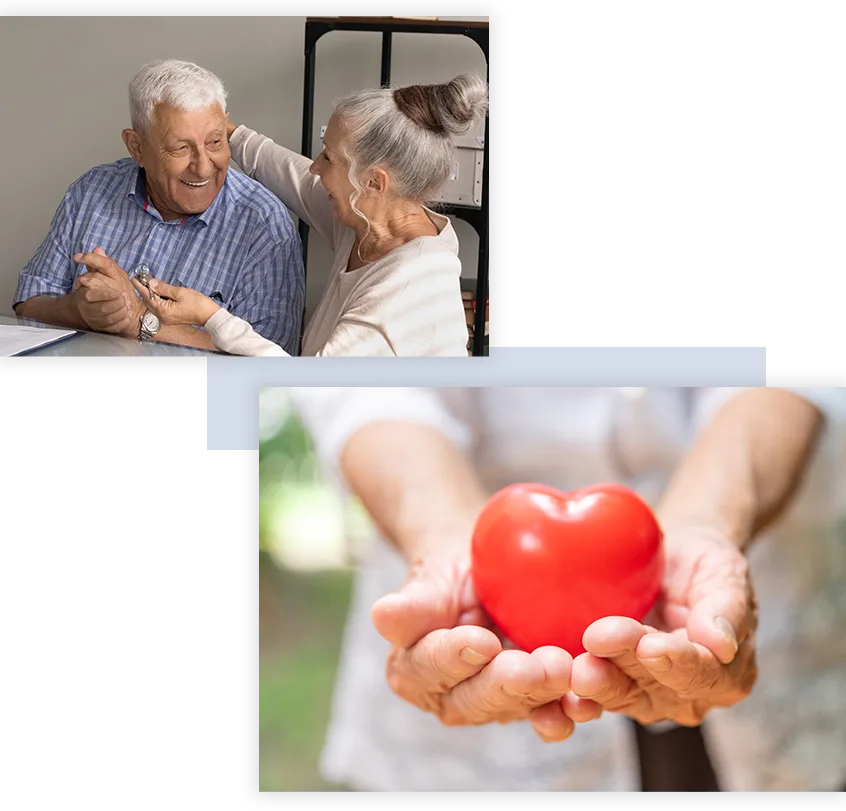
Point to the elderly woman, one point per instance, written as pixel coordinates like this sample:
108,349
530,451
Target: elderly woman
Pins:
394,288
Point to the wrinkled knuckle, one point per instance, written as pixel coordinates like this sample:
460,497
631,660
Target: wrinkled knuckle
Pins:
397,681
701,683
431,702
450,715
486,706
643,714
607,695
628,706
616,700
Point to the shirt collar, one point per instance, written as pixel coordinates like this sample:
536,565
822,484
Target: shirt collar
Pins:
137,189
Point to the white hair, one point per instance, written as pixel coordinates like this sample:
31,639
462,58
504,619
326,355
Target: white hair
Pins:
181,85
409,132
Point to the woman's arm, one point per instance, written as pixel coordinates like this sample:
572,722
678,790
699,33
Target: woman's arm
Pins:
745,466
184,308
356,339
235,336
286,174
401,452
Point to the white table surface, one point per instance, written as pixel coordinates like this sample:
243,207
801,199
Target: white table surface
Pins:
99,344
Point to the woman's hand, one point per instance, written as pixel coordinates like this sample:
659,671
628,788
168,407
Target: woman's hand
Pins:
445,659
702,653
230,128
176,305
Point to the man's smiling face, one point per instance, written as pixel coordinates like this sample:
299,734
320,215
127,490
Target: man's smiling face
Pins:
185,156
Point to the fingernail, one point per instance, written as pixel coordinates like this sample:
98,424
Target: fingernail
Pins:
659,663
724,627
473,657
610,655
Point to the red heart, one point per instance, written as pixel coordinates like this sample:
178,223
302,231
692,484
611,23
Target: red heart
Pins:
546,564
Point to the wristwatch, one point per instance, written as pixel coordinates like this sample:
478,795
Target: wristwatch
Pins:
150,326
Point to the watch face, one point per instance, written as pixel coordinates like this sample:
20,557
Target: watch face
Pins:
150,322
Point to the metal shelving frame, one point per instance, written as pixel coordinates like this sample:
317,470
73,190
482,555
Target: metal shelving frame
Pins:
477,217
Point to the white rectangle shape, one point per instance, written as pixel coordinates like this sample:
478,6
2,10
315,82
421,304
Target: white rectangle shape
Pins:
16,340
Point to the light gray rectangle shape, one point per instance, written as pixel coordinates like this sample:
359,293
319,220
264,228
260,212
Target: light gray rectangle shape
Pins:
234,383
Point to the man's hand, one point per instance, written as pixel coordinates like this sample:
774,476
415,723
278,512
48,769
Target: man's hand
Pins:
96,295
446,659
99,307
701,654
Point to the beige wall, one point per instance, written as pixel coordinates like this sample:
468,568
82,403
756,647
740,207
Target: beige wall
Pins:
63,87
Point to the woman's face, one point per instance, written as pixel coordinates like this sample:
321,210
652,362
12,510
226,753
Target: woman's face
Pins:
332,167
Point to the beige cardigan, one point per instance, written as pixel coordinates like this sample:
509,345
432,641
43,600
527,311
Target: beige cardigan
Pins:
408,303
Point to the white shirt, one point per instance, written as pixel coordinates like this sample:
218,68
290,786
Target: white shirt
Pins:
788,735
408,303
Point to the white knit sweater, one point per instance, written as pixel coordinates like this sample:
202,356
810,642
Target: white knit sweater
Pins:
407,303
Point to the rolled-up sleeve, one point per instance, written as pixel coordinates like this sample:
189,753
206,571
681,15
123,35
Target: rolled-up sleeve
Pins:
333,415
271,296
831,402
51,272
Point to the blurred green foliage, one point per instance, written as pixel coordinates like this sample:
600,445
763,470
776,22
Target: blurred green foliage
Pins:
301,617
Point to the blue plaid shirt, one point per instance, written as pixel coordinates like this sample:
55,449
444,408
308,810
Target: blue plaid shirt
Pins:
244,247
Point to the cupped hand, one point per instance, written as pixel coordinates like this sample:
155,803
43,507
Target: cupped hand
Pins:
176,305
699,650
447,659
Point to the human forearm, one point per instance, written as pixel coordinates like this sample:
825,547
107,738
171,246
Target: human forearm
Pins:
286,174
58,310
186,336
745,465
235,336
417,486
740,474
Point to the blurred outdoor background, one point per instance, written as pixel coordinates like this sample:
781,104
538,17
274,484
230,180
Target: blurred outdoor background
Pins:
309,537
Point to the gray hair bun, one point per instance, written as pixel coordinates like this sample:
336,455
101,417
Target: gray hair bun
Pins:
447,109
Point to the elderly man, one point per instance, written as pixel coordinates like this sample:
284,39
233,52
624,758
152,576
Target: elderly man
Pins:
175,211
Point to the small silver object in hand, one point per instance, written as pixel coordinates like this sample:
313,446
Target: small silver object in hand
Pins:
145,278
